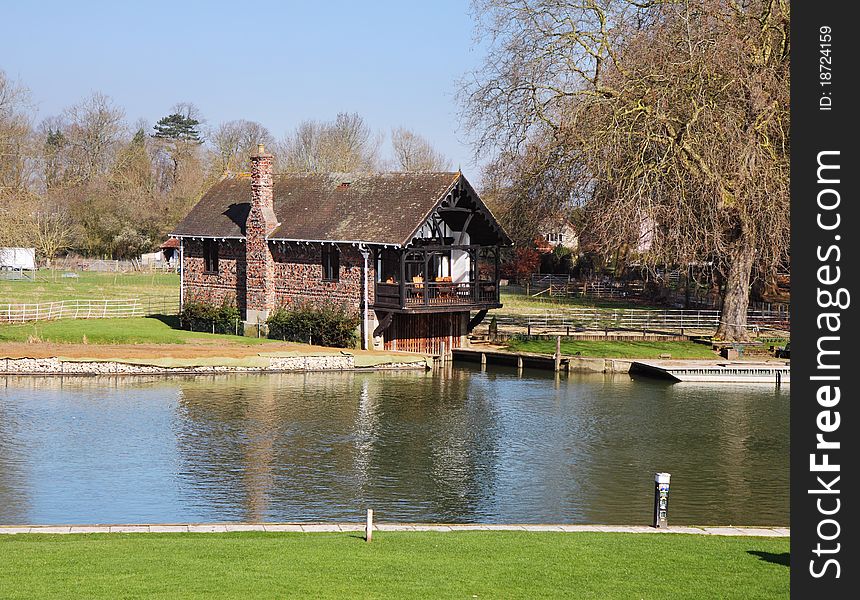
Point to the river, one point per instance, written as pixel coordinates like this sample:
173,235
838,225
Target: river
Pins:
462,446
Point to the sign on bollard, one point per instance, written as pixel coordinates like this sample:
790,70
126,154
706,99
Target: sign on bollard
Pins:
661,499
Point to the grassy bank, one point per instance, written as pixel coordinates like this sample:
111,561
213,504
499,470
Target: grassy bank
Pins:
396,565
51,286
514,303
144,330
615,349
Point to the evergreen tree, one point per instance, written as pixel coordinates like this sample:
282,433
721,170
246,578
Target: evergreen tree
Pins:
177,127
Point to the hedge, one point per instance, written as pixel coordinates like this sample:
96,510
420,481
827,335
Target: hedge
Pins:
329,325
211,318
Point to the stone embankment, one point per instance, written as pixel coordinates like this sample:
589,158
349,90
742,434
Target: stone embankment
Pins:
261,364
351,527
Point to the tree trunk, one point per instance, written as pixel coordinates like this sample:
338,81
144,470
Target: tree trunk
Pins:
733,318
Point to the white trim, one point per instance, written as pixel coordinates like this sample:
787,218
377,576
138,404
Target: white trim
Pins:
208,237
289,240
352,242
365,333
181,274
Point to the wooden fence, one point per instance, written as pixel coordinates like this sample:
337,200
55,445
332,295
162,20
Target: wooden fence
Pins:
631,319
108,308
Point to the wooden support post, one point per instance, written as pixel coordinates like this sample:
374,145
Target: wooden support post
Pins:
483,359
443,353
368,529
520,363
557,353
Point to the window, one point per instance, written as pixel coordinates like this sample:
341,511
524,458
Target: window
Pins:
330,263
210,256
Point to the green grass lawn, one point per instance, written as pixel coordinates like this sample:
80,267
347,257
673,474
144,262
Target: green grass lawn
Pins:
615,349
520,302
399,565
51,286
143,330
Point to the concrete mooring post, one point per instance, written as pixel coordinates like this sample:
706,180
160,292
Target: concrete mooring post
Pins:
661,499
557,354
368,529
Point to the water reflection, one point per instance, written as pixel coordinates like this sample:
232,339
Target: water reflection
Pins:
462,446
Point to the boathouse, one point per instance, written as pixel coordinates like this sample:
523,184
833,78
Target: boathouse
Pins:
415,254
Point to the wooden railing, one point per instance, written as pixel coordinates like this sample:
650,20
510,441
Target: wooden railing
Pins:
668,320
436,293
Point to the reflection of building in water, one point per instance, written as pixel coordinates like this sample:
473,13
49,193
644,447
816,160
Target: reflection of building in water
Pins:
326,446
434,455
365,433
259,452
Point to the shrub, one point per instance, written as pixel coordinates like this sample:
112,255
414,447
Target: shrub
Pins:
201,316
333,326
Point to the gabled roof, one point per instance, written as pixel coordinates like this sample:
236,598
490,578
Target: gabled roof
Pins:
381,208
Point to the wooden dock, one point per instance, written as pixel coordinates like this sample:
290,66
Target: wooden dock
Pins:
520,360
772,372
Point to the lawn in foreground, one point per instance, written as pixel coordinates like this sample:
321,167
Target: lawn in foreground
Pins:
144,330
615,348
467,564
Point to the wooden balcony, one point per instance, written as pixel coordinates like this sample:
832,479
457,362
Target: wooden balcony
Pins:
435,296
405,270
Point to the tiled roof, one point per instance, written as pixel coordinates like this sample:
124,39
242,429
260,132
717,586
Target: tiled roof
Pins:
384,208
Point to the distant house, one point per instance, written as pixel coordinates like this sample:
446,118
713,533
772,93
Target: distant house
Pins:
413,253
560,233
170,251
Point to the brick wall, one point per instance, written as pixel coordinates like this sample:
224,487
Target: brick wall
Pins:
298,276
228,283
296,272
260,288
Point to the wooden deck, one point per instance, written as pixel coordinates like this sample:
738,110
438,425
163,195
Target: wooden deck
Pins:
515,359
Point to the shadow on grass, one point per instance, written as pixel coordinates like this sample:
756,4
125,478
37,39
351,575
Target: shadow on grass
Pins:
782,558
171,321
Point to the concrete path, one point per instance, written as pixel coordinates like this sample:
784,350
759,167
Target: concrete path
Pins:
343,527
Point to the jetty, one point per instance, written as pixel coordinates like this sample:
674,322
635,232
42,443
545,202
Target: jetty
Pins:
515,359
772,372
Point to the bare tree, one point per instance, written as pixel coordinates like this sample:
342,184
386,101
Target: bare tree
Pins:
673,113
93,131
16,149
413,153
233,142
50,227
343,145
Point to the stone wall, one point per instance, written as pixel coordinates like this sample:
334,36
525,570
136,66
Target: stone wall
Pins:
299,276
228,283
57,366
260,284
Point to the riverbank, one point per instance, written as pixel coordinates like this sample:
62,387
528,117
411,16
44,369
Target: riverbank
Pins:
229,527
426,564
77,360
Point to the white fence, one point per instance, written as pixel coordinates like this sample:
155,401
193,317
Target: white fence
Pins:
87,309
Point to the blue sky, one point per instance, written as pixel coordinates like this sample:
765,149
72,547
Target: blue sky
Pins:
395,63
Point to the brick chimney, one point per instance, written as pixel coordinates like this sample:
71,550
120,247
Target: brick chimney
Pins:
259,264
